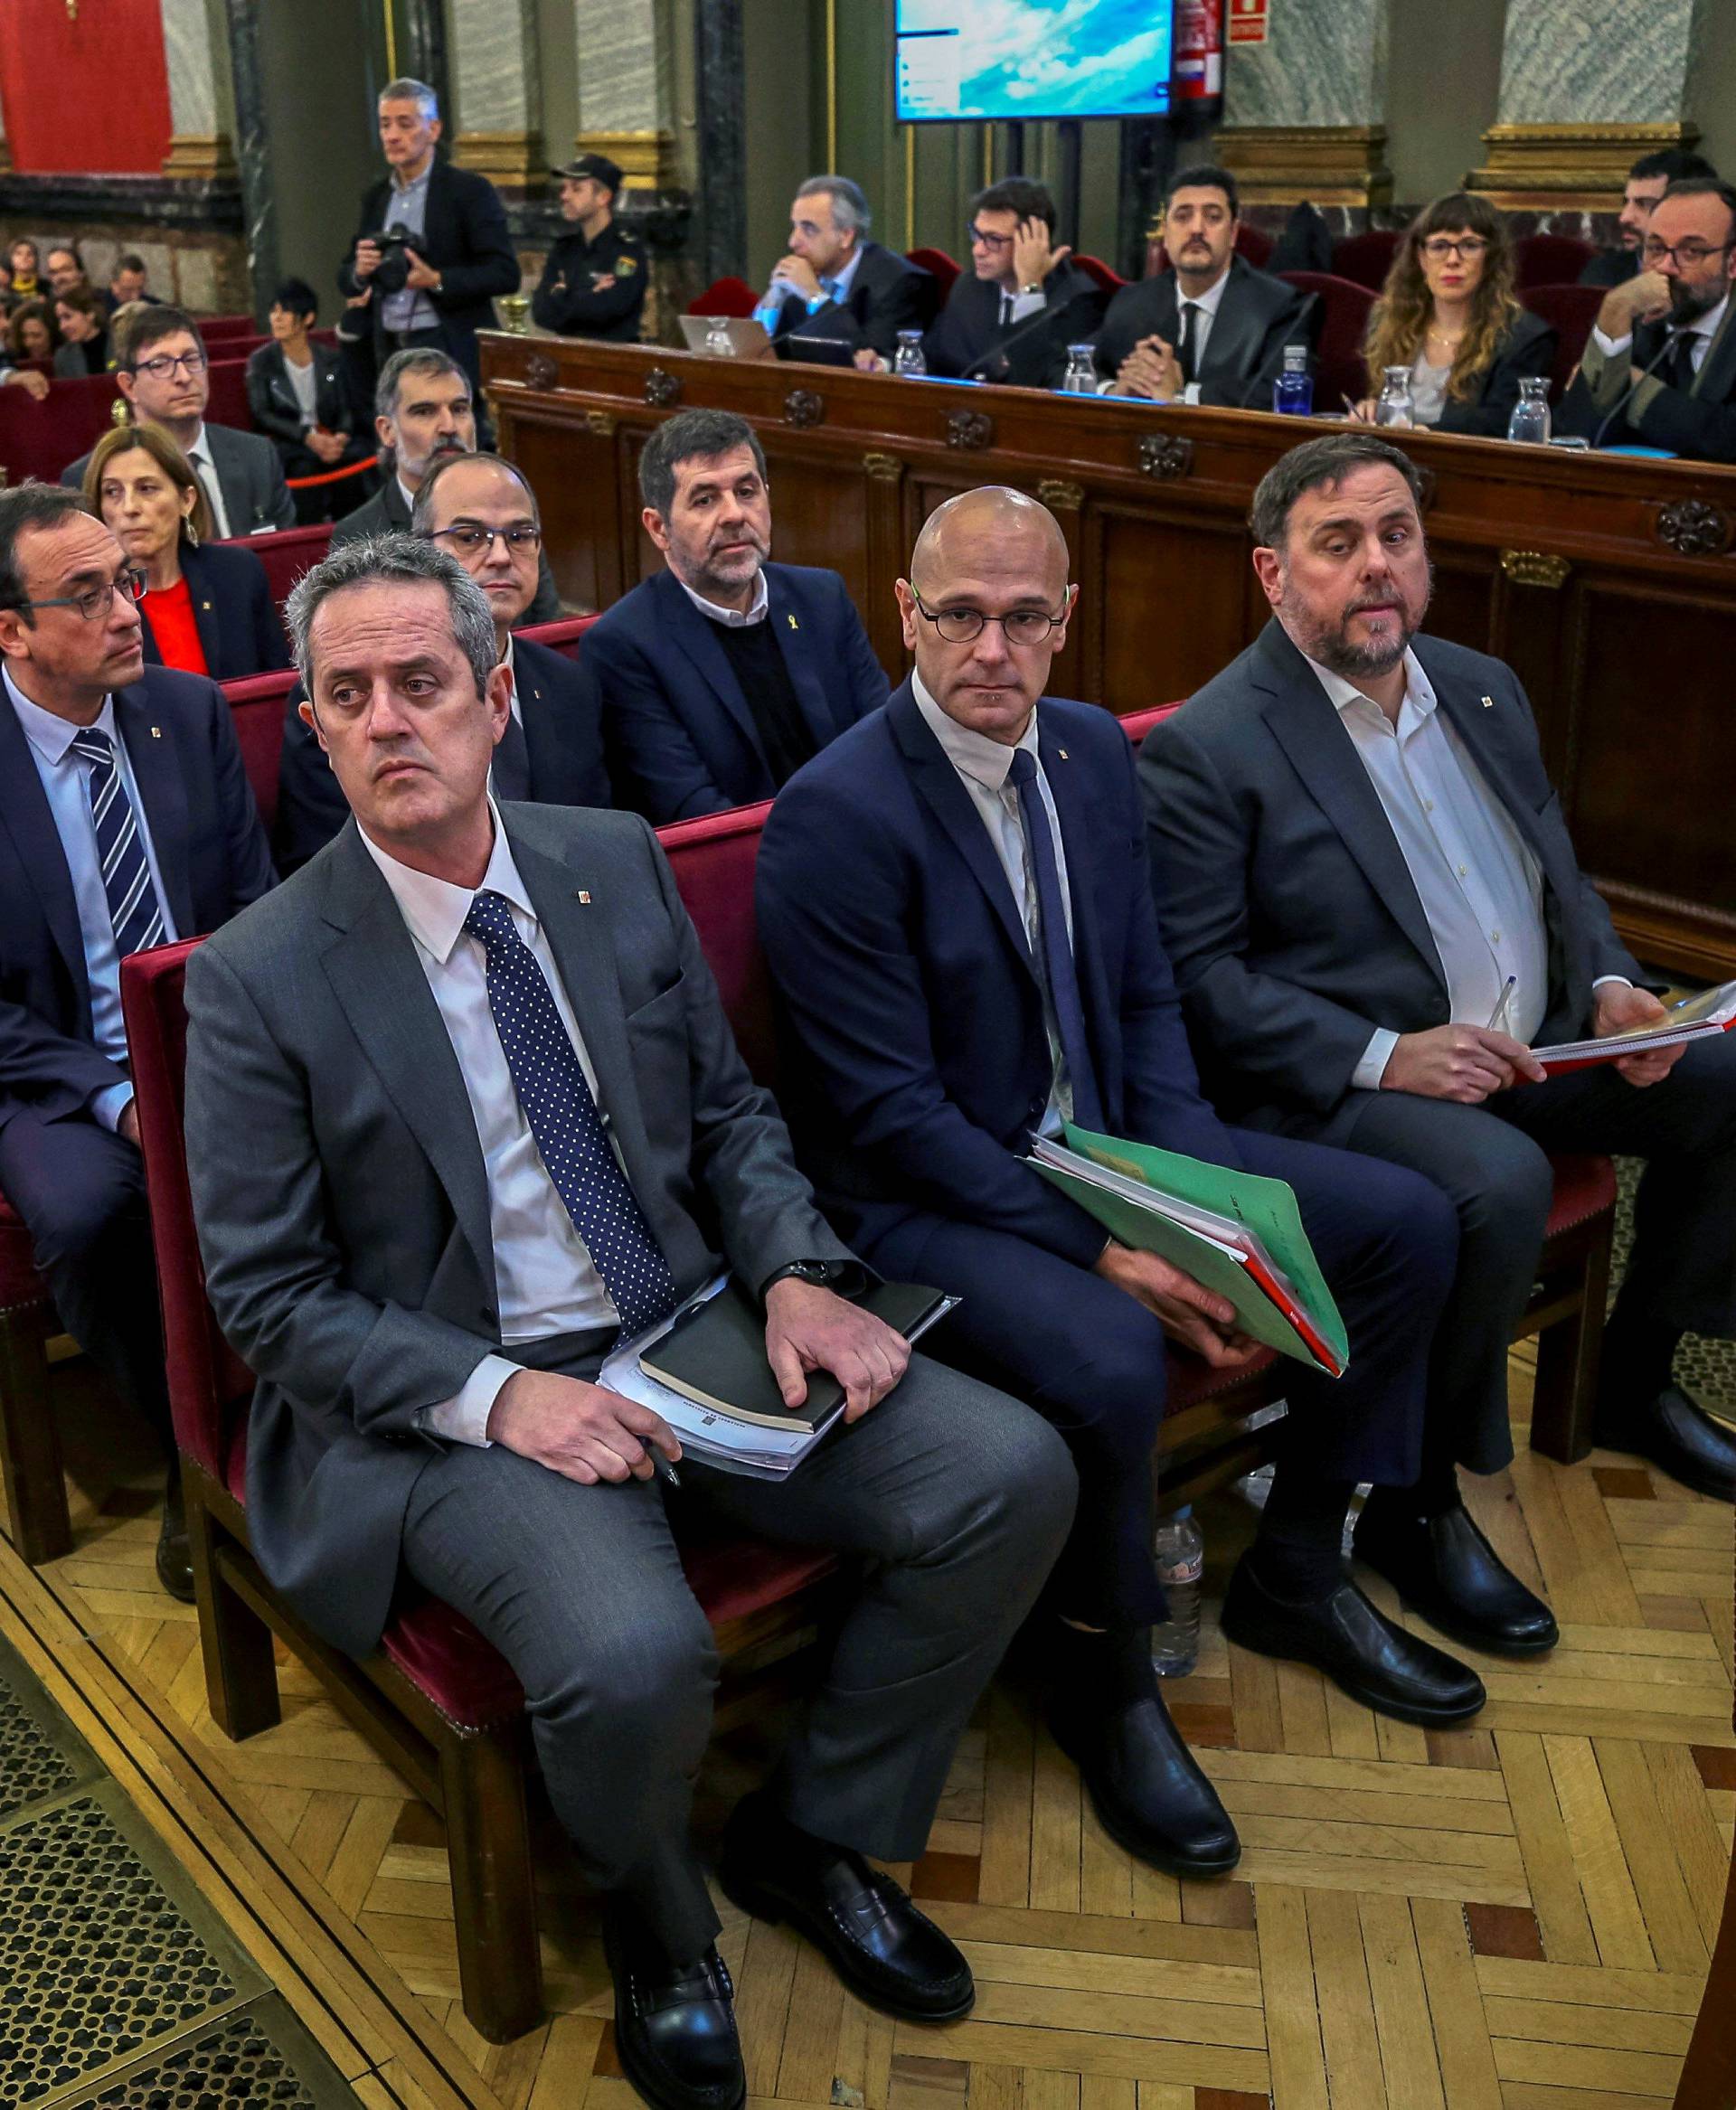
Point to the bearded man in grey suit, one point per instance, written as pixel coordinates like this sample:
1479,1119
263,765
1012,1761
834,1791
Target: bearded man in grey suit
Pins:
463,1107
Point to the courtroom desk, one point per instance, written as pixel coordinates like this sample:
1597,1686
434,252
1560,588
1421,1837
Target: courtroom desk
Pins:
1607,582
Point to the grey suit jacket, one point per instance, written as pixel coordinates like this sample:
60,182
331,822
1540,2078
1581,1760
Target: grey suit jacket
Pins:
1286,903
250,473
340,1191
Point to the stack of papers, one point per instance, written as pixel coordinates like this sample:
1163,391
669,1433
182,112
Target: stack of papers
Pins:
1695,1018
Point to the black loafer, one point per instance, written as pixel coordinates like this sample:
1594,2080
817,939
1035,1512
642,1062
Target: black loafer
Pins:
888,1952
1444,1567
174,1556
1681,1438
674,2029
1358,1647
1147,1789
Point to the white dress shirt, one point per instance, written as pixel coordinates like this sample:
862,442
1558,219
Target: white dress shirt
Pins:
65,780
983,765
1208,304
545,1279
206,469
410,308
732,619
1481,886
1700,333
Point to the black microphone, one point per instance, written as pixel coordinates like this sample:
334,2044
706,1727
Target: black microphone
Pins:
1028,328
1672,337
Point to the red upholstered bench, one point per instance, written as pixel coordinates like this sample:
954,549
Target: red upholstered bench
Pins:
562,636
257,704
30,1449
287,553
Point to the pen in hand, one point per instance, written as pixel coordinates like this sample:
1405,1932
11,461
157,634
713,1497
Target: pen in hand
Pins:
1497,1017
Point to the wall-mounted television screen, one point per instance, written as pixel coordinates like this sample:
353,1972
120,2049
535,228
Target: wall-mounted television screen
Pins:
1005,59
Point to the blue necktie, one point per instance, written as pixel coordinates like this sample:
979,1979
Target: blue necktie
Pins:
1055,955
563,1117
133,905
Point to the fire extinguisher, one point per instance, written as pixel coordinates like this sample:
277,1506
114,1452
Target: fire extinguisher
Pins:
1199,57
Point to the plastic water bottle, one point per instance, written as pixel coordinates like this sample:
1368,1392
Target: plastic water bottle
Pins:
1179,1553
1081,377
907,358
1293,391
1530,418
1396,407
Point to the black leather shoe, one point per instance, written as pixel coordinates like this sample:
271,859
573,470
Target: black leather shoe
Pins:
1444,1567
1147,1789
1358,1647
887,1952
1682,1437
173,1556
674,2029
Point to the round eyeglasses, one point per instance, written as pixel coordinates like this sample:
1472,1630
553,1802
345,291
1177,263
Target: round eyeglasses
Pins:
959,626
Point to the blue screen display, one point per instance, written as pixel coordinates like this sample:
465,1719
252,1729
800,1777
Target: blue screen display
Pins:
1004,59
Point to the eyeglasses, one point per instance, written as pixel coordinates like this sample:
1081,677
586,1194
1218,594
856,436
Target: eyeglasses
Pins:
978,239
959,626
1685,255
467,537
163,366
1439,247
93,603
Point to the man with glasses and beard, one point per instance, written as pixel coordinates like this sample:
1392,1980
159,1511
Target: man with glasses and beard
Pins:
482,511
1660,367
721,676
1374,910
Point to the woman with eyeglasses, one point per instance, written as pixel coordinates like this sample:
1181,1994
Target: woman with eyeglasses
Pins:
207,609
1448,313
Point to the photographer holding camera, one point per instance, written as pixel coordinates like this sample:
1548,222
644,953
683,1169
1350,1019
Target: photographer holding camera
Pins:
432,250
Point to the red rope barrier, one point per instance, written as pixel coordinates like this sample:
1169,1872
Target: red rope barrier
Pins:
332,476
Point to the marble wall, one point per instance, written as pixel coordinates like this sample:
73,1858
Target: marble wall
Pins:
495,75
1601,62
625,65
195,40
1324,64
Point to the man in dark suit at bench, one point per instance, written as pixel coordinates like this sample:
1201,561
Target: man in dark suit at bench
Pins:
955,905
482,511
1375,910
723,674
125,821
463,1108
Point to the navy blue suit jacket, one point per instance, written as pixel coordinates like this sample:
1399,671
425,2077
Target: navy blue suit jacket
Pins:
232,608
918,1067
553,758
681,737
210,850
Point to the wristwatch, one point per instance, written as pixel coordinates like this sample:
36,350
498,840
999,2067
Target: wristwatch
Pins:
822,1274
1035,289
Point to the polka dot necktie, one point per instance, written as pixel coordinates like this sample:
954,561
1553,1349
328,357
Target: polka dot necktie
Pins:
565,1120
133,905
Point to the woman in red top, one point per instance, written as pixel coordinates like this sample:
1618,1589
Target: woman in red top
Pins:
207,607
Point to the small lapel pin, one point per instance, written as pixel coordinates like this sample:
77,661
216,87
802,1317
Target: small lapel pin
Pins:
204,607
1062,752
584,898
794,624
1489,702
157,732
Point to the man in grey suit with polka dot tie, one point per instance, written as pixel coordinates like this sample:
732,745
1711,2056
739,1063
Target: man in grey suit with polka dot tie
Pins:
462,1109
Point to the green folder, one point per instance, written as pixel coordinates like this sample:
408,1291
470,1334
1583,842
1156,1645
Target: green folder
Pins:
1265,1208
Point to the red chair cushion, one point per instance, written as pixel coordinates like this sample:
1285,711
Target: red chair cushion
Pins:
562,636
40,439
713,858
1585,1187
1100,275
1137,724
1549,260
1367,258
939,264
1340,368
287,553
1570,311
1191,1380
20,1284
726,296
256,706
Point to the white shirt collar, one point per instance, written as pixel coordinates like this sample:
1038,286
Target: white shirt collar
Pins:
1417,688
434,908
842,280
731,619
404,492
1209,303
196,445
1706,325
972,754
401,182
48,734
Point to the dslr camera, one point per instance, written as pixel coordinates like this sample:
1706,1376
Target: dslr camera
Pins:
392,274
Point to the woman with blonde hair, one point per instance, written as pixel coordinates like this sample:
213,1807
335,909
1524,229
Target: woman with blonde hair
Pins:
207,607
1447,314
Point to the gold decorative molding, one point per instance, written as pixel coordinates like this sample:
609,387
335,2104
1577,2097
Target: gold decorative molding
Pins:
884,468
206,154
1059,495
1535,568
602,423
1333,165
647,159
1558,166
504,158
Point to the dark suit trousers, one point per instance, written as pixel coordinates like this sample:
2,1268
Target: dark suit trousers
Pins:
1492,1162
954,1499
81,1192
1092,1359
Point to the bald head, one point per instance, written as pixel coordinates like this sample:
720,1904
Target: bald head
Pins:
992,528
985,608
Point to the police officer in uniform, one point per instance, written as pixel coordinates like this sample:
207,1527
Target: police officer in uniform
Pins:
593,283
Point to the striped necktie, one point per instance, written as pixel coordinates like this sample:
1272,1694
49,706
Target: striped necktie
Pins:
133,905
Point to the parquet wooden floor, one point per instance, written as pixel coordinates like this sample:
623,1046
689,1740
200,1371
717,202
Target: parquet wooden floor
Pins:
1513,1917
